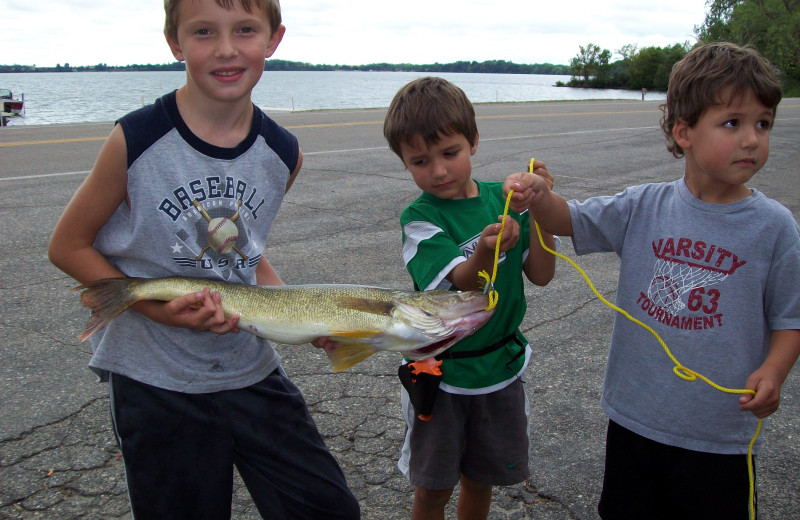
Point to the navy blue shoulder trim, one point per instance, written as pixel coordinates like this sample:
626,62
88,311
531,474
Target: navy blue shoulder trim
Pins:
145,126
283,142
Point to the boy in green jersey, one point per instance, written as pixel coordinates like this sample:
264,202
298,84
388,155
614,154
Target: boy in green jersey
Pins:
477,433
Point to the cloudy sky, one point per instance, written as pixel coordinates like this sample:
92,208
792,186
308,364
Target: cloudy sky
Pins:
356,32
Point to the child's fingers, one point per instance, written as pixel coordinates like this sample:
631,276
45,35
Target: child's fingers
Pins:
226,327
185,303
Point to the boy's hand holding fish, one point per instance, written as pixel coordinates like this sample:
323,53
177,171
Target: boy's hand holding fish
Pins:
200,310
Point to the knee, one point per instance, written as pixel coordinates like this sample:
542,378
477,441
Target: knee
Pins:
471,486
432,498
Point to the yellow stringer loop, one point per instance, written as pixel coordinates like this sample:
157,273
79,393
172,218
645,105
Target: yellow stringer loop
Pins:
493,298
679,369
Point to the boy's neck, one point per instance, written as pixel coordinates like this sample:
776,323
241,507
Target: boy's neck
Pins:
217,123
716,193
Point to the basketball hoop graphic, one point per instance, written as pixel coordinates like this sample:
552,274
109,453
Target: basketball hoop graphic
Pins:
684,264
672,278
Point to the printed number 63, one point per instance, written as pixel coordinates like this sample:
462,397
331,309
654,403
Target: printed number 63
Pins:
696,300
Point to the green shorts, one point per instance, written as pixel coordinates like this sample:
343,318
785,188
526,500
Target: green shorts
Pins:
483,437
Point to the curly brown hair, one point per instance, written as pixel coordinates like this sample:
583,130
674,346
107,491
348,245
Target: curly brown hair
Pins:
272,8
429,107
699,80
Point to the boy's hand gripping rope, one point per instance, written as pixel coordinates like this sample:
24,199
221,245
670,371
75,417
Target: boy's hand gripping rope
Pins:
680,370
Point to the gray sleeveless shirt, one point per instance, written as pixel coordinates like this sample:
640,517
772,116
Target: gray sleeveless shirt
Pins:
177,183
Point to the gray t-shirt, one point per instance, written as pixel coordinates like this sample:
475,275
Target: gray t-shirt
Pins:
712,280
177,184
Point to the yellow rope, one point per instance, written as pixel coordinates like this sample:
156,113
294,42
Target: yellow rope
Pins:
680,370
493,298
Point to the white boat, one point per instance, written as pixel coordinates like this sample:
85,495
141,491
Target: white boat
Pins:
10,106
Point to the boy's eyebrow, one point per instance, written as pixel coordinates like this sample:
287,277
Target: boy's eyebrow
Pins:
416,156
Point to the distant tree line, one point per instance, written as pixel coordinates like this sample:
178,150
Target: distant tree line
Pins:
486,67
492,67
771,26
100,67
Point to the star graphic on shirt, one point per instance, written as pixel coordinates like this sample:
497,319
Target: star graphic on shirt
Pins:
177,248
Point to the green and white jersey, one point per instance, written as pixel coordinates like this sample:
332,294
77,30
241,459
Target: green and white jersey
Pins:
439,234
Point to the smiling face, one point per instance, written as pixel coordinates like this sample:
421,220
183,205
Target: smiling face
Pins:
443,168
224,49
726,147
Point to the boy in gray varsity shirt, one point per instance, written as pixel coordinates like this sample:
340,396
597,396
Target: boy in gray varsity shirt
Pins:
190,399
711,265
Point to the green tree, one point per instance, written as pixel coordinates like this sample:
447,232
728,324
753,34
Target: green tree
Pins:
592,65
650,67
771,26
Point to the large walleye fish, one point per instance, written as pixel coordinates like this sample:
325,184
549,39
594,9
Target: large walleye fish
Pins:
364,320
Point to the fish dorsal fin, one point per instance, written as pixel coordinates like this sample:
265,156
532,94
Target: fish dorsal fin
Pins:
383,308
345,355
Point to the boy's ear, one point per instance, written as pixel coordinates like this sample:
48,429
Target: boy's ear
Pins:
680,132
175,47
274,41
474,147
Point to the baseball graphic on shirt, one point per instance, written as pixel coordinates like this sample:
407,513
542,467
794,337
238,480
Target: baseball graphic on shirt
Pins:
222,235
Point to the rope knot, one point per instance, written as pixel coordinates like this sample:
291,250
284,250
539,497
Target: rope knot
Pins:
684,373
489,290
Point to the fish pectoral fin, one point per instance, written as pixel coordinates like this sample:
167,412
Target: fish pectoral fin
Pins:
345,355
356,334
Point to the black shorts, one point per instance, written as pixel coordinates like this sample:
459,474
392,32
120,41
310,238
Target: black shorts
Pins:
179,452
645,479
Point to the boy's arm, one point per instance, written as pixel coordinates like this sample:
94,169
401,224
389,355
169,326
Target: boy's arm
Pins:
265,274
293,176
767,380
540,266
71,247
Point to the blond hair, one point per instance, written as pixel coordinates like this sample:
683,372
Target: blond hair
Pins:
700,78
429,107
272,8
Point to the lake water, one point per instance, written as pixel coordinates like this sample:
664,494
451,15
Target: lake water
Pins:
105,96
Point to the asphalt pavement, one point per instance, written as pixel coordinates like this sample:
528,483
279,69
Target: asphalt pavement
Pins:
340,224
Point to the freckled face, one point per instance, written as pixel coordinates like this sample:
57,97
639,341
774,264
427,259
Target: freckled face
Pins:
444,168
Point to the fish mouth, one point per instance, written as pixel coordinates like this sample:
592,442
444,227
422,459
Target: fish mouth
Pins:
435,348
461,328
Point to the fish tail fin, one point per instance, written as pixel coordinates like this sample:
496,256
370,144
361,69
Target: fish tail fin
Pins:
106,298
345,355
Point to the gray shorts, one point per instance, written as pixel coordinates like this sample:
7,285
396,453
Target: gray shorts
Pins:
483,437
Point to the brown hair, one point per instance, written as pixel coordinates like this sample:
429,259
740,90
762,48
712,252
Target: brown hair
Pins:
700,78
272,8
429,107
